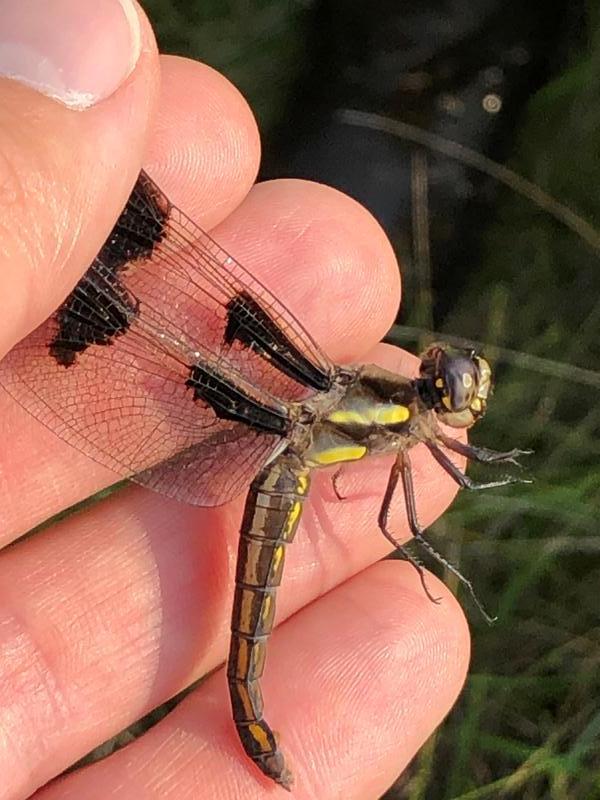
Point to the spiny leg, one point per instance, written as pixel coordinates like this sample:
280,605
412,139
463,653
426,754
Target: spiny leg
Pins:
463,480
271,516
417,532
482,454
383,519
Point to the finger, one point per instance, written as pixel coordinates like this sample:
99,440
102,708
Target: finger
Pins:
204,151
322,252
117,608
324,256
372,667
71,150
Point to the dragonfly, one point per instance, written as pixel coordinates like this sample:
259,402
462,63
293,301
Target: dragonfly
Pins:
172,365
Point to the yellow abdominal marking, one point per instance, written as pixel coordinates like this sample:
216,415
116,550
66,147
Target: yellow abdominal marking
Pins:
260,736
266,609
371,415
277,556
293,516
242,659
334,455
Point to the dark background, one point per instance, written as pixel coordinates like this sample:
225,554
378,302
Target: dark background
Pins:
518,83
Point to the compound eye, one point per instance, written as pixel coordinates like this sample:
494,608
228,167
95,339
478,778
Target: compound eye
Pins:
460,384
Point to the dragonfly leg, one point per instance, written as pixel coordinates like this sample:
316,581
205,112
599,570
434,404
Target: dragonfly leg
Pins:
402,469
271,517
383,520
463,480
482,454
335,484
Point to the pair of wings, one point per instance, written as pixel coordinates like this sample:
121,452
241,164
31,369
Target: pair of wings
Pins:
108,371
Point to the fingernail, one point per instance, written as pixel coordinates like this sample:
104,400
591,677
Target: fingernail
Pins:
76,51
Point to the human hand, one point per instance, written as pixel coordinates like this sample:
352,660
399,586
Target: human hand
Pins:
109,612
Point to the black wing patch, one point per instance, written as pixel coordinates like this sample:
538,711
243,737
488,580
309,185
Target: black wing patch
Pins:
250,324
97,311
229,401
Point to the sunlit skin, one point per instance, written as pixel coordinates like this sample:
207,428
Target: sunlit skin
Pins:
107,613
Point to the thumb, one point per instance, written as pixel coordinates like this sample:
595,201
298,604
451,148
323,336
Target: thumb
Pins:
78,83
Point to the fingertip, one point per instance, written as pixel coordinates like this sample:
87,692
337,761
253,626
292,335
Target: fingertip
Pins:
387,670
356,683
441,627
205,146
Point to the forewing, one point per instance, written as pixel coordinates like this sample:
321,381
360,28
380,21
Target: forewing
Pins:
195,292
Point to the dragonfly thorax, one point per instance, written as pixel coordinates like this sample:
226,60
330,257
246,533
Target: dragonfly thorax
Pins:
374,415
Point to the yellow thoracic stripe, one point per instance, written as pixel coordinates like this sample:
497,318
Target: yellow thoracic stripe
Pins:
371,415
302,485
333,455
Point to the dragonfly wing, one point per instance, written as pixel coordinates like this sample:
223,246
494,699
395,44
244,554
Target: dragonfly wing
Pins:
213,471
168,361
130,410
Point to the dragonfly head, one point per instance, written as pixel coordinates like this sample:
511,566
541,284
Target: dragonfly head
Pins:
455,383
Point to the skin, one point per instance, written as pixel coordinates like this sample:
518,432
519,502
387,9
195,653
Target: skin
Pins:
106,614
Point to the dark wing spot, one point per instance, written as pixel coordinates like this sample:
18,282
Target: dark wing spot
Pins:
230,402
251,325
100,308
96,311
140,227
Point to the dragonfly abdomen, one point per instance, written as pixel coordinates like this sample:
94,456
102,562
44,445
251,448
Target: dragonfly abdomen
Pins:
273,510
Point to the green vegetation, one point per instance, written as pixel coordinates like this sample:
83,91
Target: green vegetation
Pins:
528,723
258,44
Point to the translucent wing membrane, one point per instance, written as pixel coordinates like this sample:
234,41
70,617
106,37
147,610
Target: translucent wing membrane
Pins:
168,362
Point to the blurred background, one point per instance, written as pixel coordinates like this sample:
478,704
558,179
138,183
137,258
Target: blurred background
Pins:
472,131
